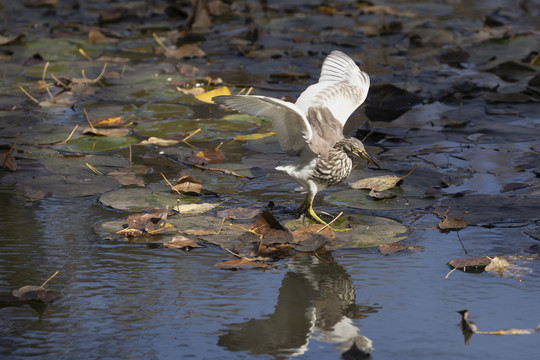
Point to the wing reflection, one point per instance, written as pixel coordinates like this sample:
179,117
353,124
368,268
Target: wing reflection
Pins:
316,301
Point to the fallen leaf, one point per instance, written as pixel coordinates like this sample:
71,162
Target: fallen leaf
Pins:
185,51
8,161
498,264
159,142
302,233
387,249
210,156
194,209
187,184
207,96
449,223
254,136
147,224
377,183
105,132
36,293
476,264
269,230
97,37
242,263
110,121
6,40
239,213
181,242
381,195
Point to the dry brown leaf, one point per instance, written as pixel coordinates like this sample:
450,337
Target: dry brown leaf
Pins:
242,263
8,161
181,242
267,228
185,51
97,37
387,249
377,183
210,156
159,141
187,184
105,132
498,264
255,136
239,213
449,223
303,233
6,40
194,209
476,264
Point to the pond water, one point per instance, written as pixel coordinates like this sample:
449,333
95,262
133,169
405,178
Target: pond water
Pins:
453,96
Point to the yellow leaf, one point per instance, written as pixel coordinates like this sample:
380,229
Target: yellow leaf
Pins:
254,136
207,96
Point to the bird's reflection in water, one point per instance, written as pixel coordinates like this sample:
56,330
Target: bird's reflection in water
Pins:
316,301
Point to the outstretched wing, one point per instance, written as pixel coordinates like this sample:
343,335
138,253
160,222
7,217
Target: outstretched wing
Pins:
342,88
292,128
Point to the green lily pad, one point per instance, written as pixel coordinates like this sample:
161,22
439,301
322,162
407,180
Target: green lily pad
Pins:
94,144
366,230
70,186
360,199
137,199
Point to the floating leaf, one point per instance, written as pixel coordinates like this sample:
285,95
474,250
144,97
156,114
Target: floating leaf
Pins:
242,263
239,213
210,156
159,142
387,249
193,209
8,161
475,265
379,183
37,294
269,230
187,184
105,132
110,121
181,242
498,264
449,223
254,136
207,96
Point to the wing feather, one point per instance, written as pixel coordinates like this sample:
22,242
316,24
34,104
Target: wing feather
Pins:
292,128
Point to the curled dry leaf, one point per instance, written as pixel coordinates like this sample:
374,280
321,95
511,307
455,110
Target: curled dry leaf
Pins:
498,264
269,230
110,121
159,142
181,242
187,184
377,183
449,223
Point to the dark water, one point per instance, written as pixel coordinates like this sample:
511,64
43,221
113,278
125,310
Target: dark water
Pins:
126,301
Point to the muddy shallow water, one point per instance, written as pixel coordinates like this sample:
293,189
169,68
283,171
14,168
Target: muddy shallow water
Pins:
454,96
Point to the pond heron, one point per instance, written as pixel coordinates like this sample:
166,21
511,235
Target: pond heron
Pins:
312,128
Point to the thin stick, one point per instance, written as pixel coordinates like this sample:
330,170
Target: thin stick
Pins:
330,223
172,187
451,271
49,279
45,71
89,122
224,171
320,258
123,71
249,90
190,135
83,53
27,94
130,154
13,146
59,81
221,143
220,226
410,172
84,77
160,43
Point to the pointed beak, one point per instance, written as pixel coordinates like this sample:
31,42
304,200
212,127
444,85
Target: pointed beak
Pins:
368,157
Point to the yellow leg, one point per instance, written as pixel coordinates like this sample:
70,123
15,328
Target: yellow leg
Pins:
315,217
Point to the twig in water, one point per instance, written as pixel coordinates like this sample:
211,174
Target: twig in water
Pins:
27,94
49,279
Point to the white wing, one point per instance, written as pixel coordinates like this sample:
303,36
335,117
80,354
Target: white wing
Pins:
342,87
292,128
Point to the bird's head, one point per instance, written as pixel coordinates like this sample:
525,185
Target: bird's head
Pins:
354,147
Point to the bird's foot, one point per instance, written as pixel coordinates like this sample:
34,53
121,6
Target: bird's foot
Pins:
315,217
